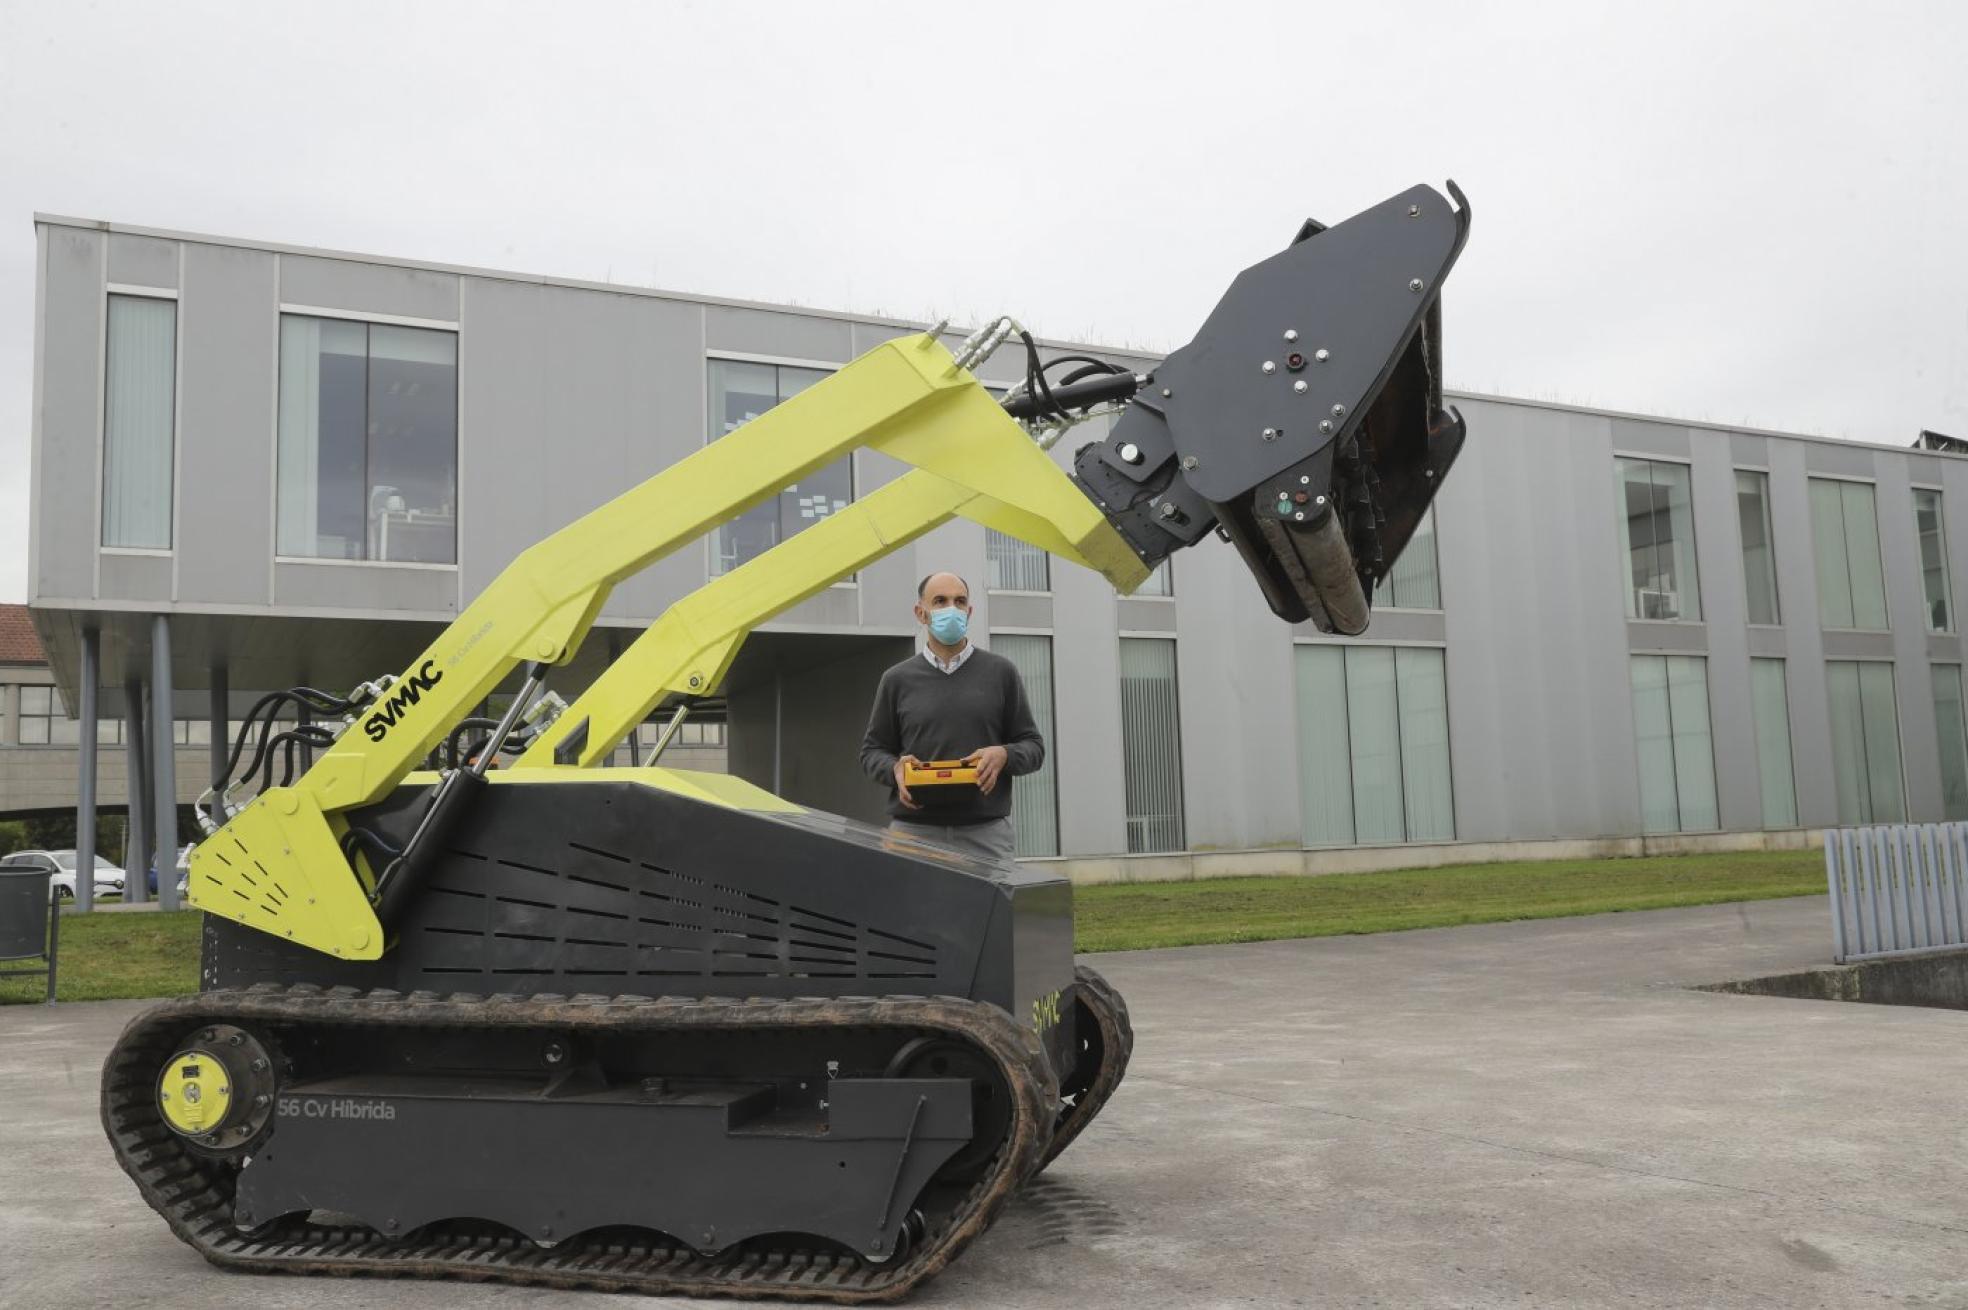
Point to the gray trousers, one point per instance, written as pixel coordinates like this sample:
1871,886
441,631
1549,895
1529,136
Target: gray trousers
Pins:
992,839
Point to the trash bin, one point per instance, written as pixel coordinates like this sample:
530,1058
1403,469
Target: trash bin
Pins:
30,923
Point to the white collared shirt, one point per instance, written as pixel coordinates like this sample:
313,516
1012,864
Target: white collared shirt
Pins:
952,664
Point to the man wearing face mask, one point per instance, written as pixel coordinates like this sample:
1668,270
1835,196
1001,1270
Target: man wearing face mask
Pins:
952,702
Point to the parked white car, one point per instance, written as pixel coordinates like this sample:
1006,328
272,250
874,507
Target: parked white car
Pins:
60,865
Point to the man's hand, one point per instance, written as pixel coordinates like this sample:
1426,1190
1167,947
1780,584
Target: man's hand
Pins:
990,762
901,787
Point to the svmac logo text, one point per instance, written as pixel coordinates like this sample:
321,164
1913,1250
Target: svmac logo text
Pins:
407,693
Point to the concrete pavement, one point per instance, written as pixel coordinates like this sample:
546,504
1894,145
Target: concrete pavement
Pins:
1509,1114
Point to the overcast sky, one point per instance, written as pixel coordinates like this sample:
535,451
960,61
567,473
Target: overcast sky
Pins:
1731,213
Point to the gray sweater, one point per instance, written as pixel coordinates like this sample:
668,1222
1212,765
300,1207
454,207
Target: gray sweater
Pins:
922,711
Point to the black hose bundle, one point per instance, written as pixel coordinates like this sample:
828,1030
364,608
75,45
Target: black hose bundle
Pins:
262,717
1040,401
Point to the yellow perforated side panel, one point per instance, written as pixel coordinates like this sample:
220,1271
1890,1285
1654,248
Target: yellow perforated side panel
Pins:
277,867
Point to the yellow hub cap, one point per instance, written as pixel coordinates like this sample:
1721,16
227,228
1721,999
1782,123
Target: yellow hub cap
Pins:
194,1093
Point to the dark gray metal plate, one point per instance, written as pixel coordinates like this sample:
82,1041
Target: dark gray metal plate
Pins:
703,1165
1345,290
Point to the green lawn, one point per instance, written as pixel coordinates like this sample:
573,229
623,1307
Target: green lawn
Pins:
1131,916
109,956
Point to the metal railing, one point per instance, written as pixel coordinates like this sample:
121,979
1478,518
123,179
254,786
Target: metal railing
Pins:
1897,888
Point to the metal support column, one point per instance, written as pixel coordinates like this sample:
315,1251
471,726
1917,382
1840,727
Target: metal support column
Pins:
85,775
220,712
164,770
136,848
778,727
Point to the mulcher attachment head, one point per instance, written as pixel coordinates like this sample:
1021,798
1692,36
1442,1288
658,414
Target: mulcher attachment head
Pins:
1305,422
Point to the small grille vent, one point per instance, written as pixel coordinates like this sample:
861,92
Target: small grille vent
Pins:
603,915
246,878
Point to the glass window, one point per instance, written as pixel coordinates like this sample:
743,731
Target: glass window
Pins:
702,731
1160,583
139,422
1770,707
691,732
1759,554
1151,744
701,734
1412,584
1677,756
44,719
50,724
1933,559
1421,684
1657,537
1373,745
1948,727
1325,747
1373,718
1865,742
741,392
1845,539
1034,796
1016,565
109,732
368,442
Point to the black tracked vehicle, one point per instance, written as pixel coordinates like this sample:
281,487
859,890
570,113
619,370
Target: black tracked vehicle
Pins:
655,1031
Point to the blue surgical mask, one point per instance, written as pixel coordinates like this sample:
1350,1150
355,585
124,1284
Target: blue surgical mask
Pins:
948,625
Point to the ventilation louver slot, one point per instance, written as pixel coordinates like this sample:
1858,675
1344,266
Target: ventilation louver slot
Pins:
602,915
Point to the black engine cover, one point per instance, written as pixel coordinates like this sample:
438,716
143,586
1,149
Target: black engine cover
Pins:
620,888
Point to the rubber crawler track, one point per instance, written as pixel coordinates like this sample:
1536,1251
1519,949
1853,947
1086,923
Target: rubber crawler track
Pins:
1110,1011
194,1194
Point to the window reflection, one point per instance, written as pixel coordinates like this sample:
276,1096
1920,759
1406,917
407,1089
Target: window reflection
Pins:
740,392
1657,536
368,441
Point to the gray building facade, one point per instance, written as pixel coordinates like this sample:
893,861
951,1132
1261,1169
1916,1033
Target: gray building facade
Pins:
1622,633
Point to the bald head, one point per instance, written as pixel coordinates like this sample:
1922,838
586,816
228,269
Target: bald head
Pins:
949,585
